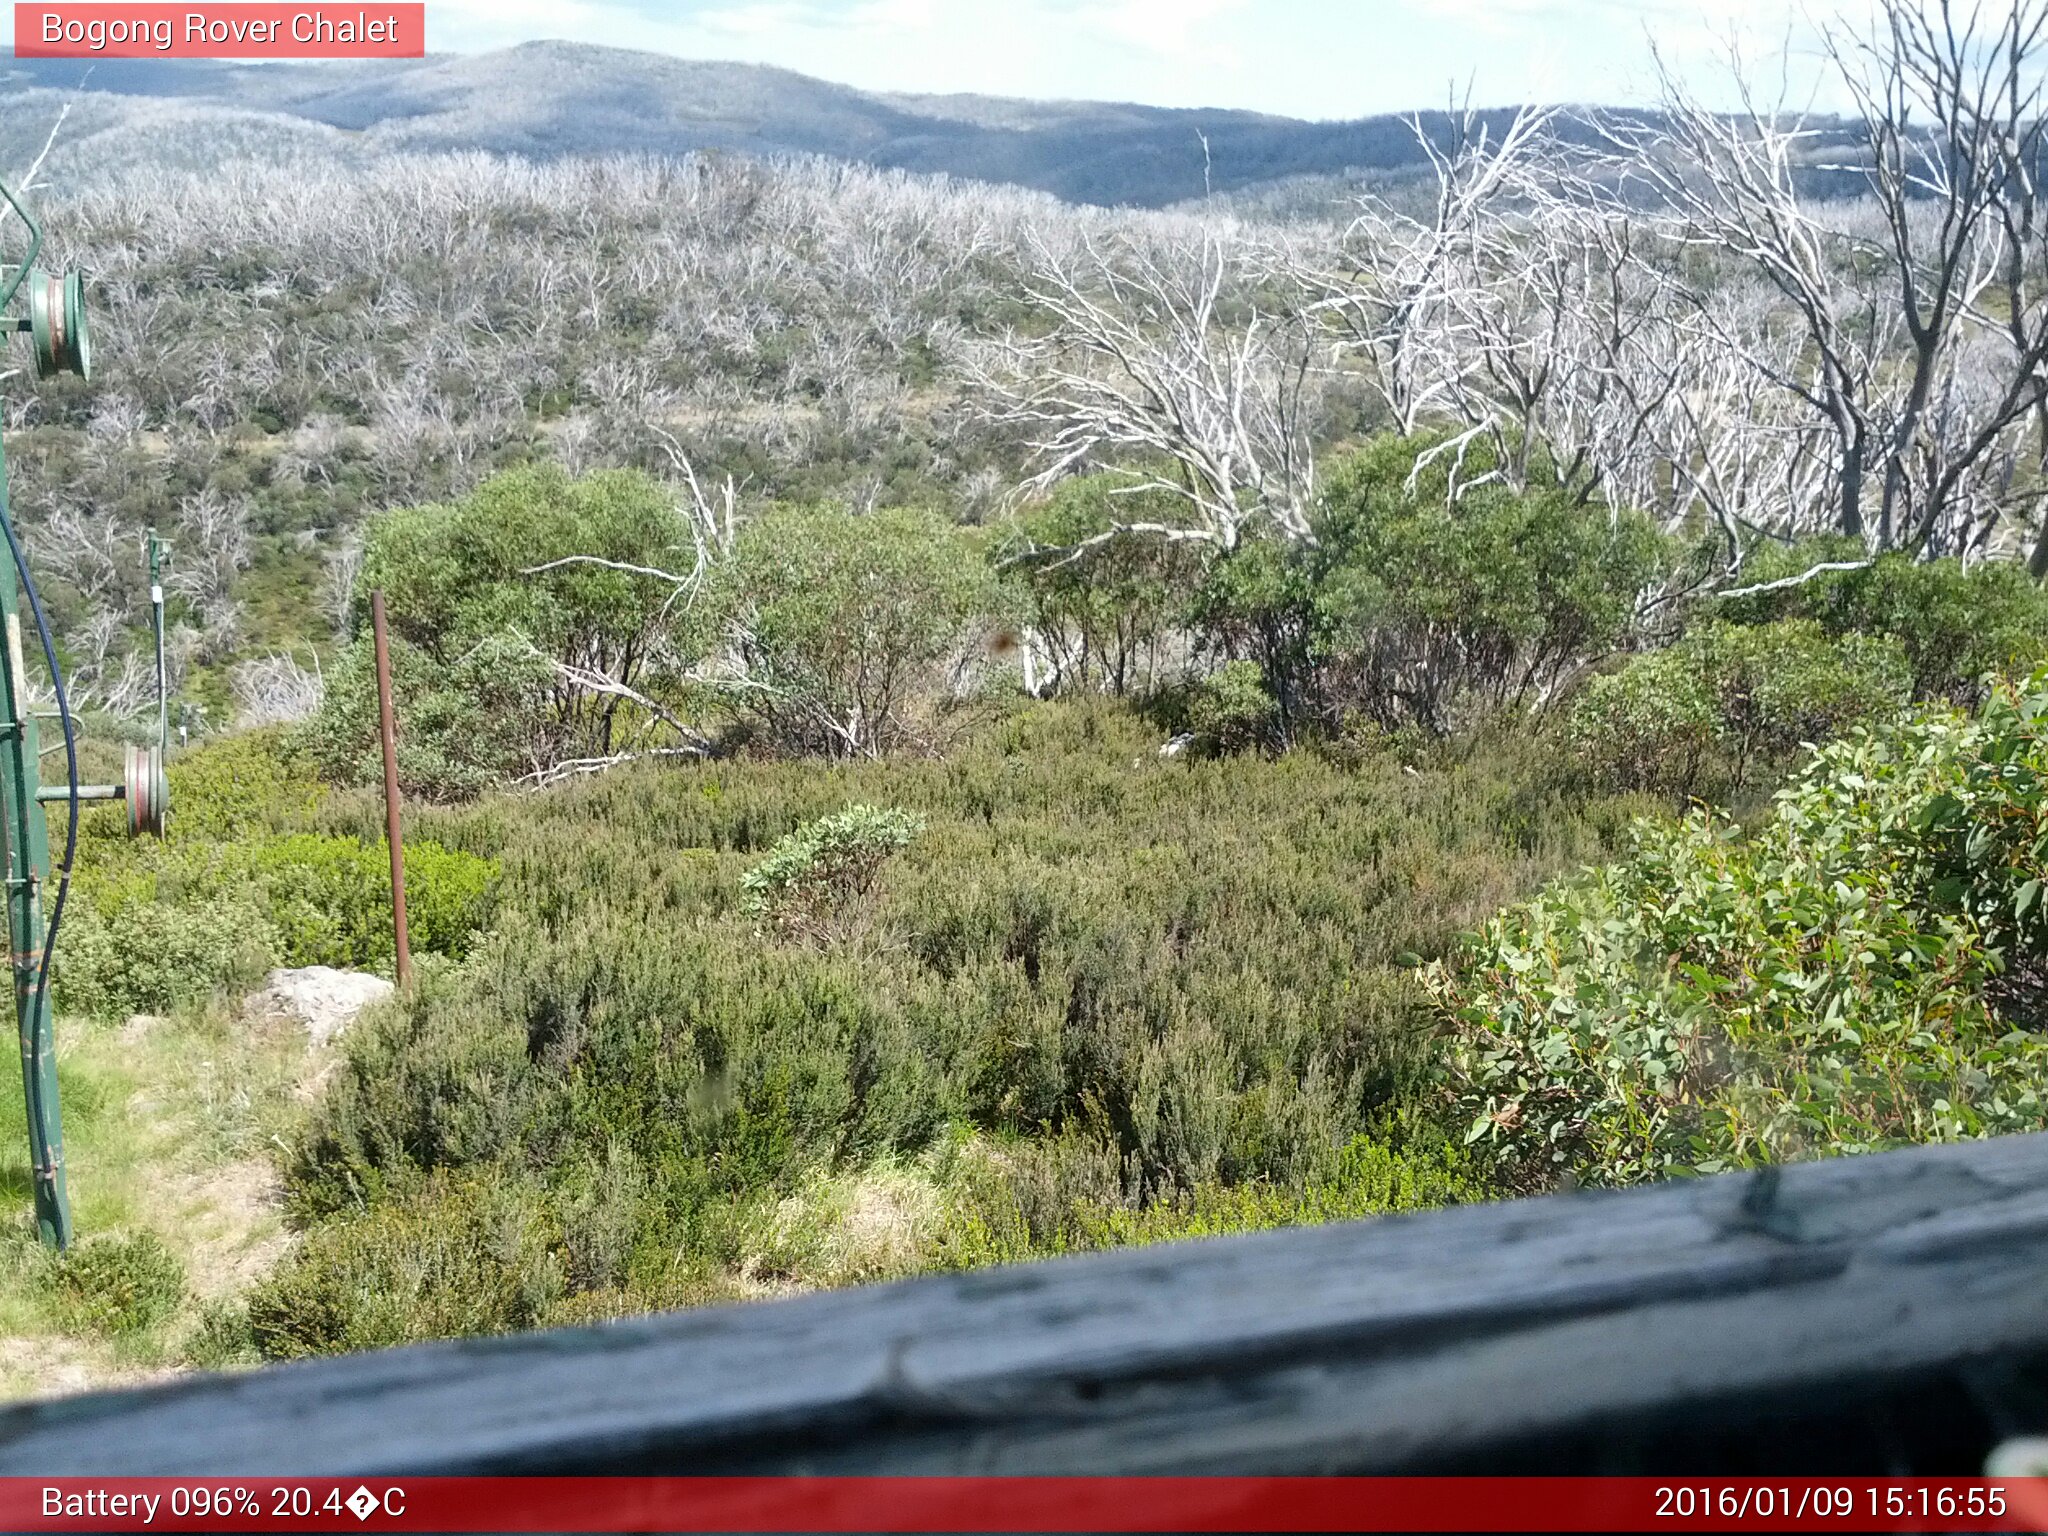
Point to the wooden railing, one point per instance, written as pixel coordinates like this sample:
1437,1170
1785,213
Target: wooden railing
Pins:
1460,1340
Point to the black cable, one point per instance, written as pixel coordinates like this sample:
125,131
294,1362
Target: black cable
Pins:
35,607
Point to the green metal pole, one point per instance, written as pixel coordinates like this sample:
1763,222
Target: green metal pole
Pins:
27,862
156,609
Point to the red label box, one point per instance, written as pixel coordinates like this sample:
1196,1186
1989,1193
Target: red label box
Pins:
377,1505
371,30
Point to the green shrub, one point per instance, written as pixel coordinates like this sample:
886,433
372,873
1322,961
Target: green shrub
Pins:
1258,604
222,1338
1654,725
1717,1001
329,898
1370,1178
1181,978
1107,617
1983,840
856,631
242,883
1065,1195
1707,713
1427,611
1231,711
1411,611
119,1285
465,724
811,878
1956,623
487,604
152,958
457,1259
180,921
232,787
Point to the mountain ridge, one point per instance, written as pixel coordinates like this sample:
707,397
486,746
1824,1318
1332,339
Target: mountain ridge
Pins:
546,99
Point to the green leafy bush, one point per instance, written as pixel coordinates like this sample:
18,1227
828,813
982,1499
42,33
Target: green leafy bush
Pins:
329,898
242,884
1258,604
148,957
1231,711
1411,610
184,920
455,1259
1063,1195
812,878
1107,617
119,1285
1956,623
231,787
1716,1000
1984,842
856,631
1189,978
1429,611
1706,714
466,723
489,599
221,1339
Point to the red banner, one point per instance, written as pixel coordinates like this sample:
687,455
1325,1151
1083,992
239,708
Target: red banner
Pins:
220,31
788,1504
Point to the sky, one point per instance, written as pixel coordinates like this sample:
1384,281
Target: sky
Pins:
1299,58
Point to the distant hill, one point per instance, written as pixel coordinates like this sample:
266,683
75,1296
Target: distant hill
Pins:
552,98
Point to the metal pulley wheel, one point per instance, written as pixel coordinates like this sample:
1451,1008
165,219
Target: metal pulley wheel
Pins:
58,327
147,791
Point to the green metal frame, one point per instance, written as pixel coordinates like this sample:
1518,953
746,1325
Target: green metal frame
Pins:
156,615
61,338
27,863
35,246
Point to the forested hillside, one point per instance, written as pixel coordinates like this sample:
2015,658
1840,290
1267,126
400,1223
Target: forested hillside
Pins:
550,99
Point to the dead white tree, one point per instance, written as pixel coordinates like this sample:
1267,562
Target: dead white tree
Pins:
1747,458
1169,368
1888,316
1951,106
1392,291
1728,186
277,689
1574,345
25,182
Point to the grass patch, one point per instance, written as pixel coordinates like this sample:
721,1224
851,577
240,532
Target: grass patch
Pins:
169,1129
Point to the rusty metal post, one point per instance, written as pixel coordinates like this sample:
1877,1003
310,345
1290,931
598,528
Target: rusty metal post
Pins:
390,732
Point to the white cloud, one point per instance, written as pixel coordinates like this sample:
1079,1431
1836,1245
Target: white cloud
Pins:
763,21
469,25
1171,27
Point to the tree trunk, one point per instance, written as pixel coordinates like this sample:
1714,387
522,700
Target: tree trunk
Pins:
2037,561
1902,444
1852,488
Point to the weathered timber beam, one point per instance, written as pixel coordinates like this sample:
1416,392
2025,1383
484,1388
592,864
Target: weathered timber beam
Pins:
1356,1347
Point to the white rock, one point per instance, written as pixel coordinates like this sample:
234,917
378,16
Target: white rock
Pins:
323,999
